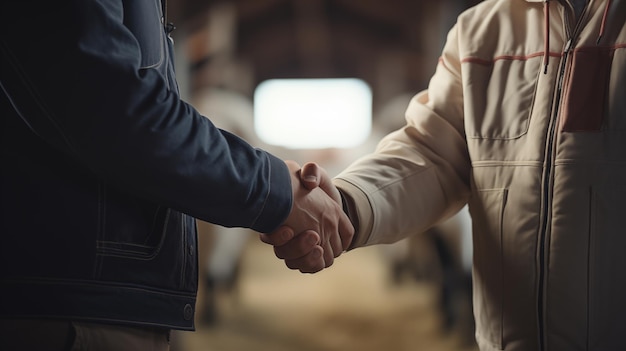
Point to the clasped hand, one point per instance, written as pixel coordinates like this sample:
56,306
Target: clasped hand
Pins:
317,230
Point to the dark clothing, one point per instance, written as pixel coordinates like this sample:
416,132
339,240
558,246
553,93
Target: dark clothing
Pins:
51,335
103,165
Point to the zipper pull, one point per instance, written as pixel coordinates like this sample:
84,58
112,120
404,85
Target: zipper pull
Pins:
568,46
169,27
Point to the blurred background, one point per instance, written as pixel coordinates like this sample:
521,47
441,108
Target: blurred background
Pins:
412,295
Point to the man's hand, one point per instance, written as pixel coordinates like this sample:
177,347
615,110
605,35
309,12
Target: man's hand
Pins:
324,231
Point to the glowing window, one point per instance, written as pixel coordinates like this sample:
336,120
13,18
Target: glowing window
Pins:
313,113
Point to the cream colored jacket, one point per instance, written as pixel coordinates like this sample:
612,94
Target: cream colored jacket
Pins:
539,153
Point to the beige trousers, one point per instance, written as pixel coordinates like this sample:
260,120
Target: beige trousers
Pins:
42,335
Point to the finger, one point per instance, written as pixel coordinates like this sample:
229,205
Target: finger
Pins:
346,231
329,255
311,263
336,244
300,246
326,184
279,237
310,175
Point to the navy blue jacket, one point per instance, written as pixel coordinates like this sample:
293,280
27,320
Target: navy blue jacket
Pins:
104,166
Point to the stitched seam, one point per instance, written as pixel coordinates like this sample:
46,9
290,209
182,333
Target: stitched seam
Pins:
488,62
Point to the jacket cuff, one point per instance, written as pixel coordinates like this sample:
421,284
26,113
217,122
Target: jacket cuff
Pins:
358,208
279,198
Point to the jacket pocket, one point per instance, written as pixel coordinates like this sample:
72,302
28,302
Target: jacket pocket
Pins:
151,246
487,211
586,90
607,270
143,19
499,96
129,227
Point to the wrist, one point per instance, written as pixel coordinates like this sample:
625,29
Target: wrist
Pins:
349,209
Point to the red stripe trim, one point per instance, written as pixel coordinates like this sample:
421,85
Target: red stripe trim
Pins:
487,62
443,63
595,48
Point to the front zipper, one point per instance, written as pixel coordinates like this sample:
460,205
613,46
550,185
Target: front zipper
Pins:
547,182
548,176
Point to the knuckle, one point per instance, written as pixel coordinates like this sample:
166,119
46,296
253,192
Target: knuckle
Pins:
279,253
292,264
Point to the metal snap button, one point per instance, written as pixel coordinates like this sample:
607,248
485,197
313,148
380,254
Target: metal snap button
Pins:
188,312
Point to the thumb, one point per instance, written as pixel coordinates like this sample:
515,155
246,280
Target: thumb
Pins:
310,175
313,176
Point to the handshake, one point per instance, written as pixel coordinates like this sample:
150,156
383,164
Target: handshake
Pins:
317,230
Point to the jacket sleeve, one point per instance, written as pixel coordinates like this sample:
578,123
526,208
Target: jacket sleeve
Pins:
419,174
78,77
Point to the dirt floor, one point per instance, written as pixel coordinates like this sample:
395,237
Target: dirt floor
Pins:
351,306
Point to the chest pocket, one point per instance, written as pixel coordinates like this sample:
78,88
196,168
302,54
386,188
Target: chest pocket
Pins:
143,19
500,96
